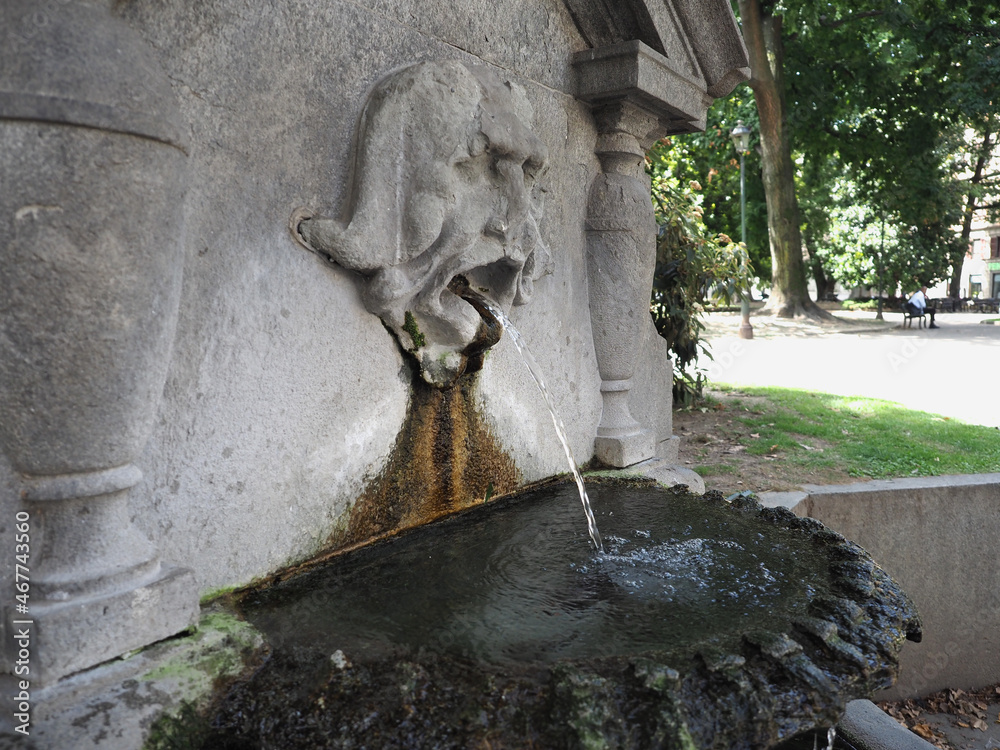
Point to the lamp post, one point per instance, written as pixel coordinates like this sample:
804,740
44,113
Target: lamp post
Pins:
741,140
881,249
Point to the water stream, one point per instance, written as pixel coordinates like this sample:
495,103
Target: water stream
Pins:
532,365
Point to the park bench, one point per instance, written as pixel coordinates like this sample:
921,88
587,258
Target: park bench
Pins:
909,316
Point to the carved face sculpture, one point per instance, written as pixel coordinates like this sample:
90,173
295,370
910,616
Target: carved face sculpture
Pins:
445,186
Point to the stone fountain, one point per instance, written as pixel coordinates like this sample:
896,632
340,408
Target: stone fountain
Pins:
231,344
704,624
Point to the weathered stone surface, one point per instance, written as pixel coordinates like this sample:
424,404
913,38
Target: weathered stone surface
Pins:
621,254
711,55
865,725
284,396
791,669
141,701
72,635
91,214
444,460
638,96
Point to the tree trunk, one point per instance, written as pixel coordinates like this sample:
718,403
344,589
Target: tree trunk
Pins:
985,151
789,293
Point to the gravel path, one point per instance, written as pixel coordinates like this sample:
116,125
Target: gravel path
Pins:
951,371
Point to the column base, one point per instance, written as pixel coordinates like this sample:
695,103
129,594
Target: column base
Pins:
669,450
80,632
625,450
670,474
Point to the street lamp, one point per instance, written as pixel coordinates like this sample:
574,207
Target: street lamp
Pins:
741,139
881,249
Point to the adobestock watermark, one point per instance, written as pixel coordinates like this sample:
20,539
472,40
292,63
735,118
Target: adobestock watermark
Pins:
903,355
724,360
20,624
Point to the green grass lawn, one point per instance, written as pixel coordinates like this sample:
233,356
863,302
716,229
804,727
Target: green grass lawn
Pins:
865,437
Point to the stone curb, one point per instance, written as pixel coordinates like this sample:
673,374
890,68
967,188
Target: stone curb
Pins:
869,727
936,536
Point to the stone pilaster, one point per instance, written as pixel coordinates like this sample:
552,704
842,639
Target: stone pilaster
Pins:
621,255
94,163
637,96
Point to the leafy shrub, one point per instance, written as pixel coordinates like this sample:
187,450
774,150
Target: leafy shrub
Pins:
693,267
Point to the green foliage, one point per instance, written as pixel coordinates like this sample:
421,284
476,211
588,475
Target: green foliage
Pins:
860,239
410,326
710,159
890,105
693,266
870,437
854,304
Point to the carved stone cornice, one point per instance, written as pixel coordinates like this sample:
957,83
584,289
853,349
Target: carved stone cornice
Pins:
633,72
699,38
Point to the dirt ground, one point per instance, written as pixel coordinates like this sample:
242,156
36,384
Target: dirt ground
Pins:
710,437
953,719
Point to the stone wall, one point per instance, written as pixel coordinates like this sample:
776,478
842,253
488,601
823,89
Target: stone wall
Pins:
284,395
936,537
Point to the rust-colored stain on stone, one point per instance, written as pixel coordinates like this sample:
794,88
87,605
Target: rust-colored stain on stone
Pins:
444,460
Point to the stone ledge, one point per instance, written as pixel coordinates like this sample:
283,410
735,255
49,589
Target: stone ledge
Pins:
80,632
125,703
936,536
637,73
867,726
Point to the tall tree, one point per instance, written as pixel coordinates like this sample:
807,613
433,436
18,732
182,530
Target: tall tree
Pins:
983,186
867,91
884,90
762,32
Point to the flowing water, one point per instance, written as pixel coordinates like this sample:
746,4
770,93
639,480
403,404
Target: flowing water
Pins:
532,365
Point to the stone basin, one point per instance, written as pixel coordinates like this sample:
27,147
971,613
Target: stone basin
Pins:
705,623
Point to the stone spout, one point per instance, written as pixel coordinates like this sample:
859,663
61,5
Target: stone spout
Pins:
447,184
490,327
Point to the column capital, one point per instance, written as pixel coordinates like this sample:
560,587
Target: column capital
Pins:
634,73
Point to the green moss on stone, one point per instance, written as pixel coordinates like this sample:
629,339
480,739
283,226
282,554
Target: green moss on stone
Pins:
410,326
192,668
214,594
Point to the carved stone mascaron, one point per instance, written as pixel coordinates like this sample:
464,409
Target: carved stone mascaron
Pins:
446,184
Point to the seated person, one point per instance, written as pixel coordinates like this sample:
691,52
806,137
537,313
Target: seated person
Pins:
917,305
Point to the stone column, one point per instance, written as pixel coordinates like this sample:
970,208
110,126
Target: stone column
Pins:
93,164
621,255
637,95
